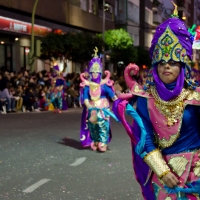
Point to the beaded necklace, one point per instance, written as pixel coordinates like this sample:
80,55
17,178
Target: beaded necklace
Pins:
173,109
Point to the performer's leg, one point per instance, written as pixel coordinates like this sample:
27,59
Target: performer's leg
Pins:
59,102
103,126
93,128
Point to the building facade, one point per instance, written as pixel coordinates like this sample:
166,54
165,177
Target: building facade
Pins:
64,15
133,20
146,23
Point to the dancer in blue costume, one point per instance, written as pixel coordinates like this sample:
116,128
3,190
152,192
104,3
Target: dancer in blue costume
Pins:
166,131
95,126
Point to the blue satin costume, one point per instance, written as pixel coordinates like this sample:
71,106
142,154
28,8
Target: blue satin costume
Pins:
190,130
189,139
100,131
56,99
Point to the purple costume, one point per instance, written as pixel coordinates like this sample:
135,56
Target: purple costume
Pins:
95,123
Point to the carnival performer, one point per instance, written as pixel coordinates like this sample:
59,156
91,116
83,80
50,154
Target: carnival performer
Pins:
57,97
165,134
95,125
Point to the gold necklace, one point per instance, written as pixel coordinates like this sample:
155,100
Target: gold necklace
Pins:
172,109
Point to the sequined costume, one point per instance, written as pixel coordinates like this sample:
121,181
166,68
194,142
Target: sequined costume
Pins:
57,94
165,134
95,125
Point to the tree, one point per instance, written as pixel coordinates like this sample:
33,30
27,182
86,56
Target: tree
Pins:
52,46
143,57
120,43
73,46
118,39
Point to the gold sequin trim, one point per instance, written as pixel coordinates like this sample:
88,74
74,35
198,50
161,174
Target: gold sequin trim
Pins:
163,143
137,89
197,168
168,198
173,109
178,164
94,93
194,95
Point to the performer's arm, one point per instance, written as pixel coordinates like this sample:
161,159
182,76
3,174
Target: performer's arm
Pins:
110,92
154,157
86,97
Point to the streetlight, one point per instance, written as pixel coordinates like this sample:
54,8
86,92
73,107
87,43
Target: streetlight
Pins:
105,8
31,58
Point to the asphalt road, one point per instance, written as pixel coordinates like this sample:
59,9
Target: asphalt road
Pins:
41,159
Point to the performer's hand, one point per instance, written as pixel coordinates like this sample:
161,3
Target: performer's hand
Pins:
170,180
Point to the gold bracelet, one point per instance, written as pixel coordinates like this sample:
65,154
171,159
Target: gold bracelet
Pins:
156,162
163,174
114,98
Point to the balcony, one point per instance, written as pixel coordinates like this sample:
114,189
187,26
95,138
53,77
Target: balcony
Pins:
108,16
157,19
120,20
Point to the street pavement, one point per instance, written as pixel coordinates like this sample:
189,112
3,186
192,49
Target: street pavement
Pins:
41,159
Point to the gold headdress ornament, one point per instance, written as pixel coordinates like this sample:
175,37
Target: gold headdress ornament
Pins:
169,39
175,13
95,52
95,64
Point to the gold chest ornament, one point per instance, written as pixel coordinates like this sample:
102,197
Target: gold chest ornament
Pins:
173,109
95,91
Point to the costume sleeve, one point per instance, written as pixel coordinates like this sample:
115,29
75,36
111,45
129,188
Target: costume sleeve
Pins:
154,157
109,91
86,93
143,112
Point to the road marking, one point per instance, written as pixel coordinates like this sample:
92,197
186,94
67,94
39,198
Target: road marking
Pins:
78,161
35,186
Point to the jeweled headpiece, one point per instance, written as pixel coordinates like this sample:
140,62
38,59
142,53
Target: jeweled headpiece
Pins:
95,64
172,41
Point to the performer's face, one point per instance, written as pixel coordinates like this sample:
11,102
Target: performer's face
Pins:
168,72
95,75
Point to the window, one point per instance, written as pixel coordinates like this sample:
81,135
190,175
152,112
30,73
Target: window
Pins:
148,16
83,4
136,40
92,7
133,12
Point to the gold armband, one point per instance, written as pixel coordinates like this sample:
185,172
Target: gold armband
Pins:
87,103
156,162
114,98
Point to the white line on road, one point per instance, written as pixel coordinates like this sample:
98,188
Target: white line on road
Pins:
35,186
78,161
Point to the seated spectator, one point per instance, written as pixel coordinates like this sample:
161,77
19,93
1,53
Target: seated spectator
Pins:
3,106
7,93
43,103
29,99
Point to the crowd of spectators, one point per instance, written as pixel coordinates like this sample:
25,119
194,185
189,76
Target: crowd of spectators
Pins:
24,91
27,92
